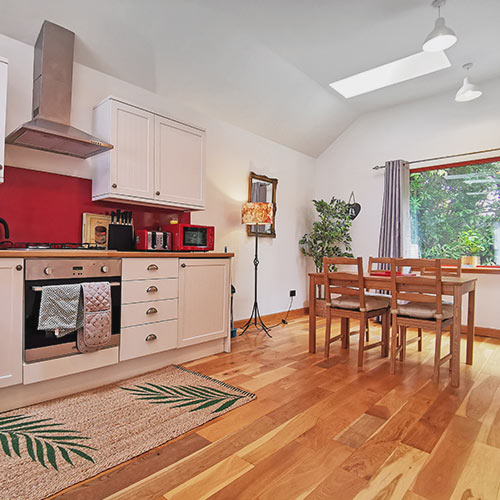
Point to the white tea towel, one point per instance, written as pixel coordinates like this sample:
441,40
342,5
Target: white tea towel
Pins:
60,309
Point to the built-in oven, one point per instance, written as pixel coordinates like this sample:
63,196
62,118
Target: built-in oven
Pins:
41,345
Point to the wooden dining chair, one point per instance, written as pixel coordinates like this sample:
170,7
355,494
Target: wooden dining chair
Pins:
352,303
382,263
417,302
449,267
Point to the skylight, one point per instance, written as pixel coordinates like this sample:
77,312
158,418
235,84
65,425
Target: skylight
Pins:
394,72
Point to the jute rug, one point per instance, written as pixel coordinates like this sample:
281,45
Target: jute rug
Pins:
49,446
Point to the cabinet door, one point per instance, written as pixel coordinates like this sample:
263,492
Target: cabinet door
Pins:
3,112
11,321
203,300
179,163
132,159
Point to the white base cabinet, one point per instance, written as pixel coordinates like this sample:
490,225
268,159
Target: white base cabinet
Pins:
3,114
11,321
204,290
155,160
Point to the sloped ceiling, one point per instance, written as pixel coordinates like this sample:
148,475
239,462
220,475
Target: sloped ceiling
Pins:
266,65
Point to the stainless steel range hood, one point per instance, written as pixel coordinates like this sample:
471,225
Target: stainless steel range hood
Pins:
50,128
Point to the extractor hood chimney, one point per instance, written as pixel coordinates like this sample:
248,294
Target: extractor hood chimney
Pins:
50,128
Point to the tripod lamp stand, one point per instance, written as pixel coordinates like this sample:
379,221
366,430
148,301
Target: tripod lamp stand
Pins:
255,214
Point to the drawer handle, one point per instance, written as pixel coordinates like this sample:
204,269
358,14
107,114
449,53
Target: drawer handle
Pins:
152,267
150,337
151,289
152,310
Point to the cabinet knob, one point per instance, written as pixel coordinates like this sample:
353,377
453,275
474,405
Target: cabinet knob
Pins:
114,186
152,310
151,289
104,269
1,167
18,267
150,337
157,193
152,267
183,265
48,271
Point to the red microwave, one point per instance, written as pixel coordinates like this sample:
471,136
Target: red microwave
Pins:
187,237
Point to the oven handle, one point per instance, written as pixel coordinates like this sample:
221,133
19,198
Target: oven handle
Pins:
39,288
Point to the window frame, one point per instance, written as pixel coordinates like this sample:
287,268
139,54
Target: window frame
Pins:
468,270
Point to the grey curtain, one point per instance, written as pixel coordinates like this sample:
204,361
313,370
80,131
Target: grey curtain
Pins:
393,224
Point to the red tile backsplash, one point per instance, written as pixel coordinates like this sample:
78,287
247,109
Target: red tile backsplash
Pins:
46,207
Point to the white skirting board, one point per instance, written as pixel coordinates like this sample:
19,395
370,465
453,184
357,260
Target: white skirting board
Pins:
22,395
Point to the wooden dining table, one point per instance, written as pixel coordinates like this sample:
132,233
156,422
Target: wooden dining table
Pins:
451,286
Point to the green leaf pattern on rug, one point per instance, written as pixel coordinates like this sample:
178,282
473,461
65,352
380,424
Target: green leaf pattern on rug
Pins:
42,438
185,395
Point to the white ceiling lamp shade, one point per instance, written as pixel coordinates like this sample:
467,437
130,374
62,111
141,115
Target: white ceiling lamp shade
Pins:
441,37
468,91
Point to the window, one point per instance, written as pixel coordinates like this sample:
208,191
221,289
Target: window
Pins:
455,211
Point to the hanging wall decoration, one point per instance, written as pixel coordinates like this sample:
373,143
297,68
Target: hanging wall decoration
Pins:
354,208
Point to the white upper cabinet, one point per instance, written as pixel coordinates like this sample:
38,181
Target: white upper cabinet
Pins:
179,163
3,113
155,160
11,321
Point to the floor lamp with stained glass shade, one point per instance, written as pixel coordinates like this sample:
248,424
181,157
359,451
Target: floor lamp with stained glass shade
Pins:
256,214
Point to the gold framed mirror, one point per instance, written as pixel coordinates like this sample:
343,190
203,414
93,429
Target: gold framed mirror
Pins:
262,188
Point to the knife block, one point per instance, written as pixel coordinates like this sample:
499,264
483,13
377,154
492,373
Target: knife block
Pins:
121,237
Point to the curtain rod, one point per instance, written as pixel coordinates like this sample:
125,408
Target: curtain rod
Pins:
379,167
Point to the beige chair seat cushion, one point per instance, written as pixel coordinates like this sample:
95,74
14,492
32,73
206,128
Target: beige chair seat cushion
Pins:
424,310
372,302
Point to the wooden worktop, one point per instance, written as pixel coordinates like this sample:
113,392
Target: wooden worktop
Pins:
45,254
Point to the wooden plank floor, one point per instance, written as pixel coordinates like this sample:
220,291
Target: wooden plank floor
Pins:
321,429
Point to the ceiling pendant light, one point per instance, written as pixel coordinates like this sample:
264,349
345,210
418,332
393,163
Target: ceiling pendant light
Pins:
468,91
441,37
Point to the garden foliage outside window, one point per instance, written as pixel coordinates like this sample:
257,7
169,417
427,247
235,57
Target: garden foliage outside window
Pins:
455,212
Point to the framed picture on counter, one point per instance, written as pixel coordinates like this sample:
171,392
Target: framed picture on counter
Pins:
95,229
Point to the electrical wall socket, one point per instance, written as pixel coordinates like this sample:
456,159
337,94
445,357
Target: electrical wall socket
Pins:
292,293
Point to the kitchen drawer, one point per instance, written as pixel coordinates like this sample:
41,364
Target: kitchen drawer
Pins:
147,290
149,268
162,336
159,310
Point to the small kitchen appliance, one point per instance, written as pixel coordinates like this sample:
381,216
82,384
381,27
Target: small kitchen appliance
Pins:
190,237
159,241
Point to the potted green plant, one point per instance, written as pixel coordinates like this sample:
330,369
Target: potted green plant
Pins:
472,246
330,235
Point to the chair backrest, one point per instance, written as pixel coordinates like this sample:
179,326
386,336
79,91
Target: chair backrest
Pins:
351,282
449,267
418,288
383,264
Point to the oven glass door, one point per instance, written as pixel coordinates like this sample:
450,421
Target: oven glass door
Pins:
195,237
40,345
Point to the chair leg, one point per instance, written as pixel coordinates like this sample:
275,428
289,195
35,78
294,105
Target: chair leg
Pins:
348,333
420,339
328,332
402,353
344,332
437,354
361,349
394,340
385,325
367,338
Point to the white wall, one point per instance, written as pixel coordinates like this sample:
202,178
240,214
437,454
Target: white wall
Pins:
231,154
427,128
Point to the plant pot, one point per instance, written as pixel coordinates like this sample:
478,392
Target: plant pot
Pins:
471,261
321,307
